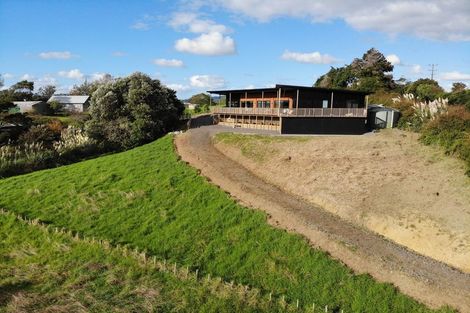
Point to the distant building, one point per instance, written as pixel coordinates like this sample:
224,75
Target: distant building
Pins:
40,107
72,103
190,106
379,116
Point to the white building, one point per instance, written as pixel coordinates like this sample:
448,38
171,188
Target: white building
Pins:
72,103
31,106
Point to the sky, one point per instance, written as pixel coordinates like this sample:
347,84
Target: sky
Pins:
193,46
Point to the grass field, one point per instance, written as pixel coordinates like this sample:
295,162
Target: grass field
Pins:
147,198
45,271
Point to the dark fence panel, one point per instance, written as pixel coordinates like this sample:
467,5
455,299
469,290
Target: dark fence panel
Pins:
323,125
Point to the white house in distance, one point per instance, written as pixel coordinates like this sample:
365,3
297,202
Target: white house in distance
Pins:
72,103
31,106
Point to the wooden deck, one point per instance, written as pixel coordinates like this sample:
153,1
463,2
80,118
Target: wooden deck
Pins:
301,112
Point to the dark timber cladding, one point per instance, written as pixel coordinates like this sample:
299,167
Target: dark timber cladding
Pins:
295,109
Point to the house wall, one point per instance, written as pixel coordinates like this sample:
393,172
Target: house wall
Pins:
323,125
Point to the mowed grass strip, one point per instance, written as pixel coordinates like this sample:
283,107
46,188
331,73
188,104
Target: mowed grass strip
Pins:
149,199
44,271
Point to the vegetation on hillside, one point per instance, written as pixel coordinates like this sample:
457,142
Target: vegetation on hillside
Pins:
124,113
148,199
44,269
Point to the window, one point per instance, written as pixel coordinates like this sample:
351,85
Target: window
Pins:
325,104
351,104
264,104
283,104
247,104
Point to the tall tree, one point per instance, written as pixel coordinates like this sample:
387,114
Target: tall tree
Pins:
44,93
372,72
425,89
132,110
458,87
22,90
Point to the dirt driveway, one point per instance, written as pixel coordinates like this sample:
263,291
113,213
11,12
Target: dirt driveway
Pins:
423,278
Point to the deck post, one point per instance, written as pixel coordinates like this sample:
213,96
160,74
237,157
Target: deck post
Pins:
230,99
332,99
297,100
210,99
279,102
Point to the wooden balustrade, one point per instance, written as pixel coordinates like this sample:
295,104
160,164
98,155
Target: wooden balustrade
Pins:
300,112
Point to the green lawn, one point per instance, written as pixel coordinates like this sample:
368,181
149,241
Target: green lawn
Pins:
44,271
149,199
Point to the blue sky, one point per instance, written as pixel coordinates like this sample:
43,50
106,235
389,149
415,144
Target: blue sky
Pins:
194,45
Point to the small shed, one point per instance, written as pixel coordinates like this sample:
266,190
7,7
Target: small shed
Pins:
379,116
72,103
40,107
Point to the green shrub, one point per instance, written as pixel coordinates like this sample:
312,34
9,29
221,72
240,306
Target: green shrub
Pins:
451,131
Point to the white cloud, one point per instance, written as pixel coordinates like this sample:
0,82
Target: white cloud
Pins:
206,81
140,26
416,69
179,87
7,75
455,76
431,19
207,44
312,57
168,62
72,74
190,22
394,59
58,55
100,76
119,54
27,77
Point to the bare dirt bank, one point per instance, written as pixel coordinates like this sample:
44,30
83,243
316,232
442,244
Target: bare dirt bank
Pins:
387,182
430,281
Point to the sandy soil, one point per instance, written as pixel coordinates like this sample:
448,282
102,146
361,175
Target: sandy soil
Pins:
387,182
421,277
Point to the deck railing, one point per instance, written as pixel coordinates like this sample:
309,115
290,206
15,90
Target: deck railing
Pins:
301,112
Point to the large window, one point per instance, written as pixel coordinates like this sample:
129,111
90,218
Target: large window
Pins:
247,104
266,104
283,104
352,104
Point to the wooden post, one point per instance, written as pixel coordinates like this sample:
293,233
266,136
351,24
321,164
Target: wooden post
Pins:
210,99
332,99
230,99
297,100
279,102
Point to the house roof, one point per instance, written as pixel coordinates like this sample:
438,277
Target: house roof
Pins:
287,87
69,99
26,102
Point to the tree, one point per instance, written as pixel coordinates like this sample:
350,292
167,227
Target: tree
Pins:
458,87
202,102
56,106
369,73
132,110
87,88
22,90
44,93
425,89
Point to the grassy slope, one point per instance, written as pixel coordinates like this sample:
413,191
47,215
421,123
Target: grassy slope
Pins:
43,271
147,198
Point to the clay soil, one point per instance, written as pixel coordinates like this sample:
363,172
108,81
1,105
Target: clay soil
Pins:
360,198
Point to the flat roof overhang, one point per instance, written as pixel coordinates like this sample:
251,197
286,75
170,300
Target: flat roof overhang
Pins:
286,87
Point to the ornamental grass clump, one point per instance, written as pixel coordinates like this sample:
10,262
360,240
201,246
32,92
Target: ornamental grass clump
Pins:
71,138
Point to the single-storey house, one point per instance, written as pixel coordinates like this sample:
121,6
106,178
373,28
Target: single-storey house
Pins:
40,107
295,109
72,103
189,105
379,116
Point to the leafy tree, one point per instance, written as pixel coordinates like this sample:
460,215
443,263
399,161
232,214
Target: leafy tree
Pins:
56,106
87,88
132,110
425,89
22,90
369,73
202,102
460,98
44,93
